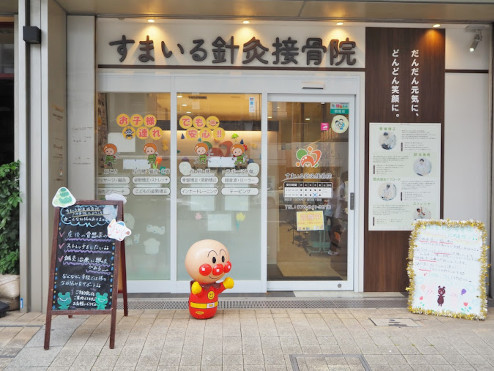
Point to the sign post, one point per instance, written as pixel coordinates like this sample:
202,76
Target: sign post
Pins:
85,263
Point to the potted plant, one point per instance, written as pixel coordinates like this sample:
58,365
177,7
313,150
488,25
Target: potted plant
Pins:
9,234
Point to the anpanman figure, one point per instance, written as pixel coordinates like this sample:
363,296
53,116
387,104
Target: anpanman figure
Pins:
207,261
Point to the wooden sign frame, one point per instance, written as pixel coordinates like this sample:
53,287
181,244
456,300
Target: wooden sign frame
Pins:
447,267
118,263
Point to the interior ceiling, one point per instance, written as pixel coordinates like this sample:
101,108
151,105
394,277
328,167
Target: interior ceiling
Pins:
453,11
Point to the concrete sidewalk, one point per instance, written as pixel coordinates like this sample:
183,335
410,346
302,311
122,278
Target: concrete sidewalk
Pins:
250,339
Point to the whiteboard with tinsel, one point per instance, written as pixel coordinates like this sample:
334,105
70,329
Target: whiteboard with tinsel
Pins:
447,267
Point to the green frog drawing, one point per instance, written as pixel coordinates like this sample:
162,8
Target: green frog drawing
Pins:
64,300
101,300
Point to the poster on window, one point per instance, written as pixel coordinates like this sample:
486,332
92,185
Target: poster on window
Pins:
404,175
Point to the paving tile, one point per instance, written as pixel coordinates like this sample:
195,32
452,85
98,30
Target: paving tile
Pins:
253,359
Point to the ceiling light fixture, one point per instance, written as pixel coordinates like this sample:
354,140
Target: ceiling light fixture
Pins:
246,22
150,20
437,25
339,23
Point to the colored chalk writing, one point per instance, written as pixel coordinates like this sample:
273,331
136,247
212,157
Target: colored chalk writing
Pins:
85,258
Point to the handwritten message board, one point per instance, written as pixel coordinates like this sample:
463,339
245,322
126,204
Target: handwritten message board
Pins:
448,268
85,261
84,267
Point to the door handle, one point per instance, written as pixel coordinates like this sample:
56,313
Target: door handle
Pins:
352,201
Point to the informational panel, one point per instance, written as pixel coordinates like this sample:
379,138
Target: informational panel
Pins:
448,269
404,175
85,262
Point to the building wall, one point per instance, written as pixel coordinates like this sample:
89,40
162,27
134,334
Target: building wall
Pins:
42,144
467,102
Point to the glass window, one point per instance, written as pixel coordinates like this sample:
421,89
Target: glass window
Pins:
219,155
133,139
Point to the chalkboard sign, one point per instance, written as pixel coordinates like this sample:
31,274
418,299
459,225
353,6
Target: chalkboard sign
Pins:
85,261
448,269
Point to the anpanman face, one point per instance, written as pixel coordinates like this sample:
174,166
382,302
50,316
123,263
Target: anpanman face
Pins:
207,261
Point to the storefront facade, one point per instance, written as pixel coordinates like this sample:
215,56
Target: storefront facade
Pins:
265,137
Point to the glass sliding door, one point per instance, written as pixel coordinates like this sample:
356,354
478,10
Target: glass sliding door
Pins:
309,163
219,177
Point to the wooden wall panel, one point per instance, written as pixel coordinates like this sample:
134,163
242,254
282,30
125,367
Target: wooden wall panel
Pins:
386,252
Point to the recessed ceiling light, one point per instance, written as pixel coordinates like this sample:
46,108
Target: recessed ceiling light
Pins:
339,23
437,25
188,112
179,96
245,22
150,20
307,119
184,105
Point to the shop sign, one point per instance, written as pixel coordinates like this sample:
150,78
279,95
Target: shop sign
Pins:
284,51
221,44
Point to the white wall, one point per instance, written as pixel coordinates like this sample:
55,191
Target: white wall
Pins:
468,130
467,147
81,106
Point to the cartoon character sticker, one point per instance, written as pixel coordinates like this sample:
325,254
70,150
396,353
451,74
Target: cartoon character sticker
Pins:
129,132
118,230
238,152
202,149
151,150
110,151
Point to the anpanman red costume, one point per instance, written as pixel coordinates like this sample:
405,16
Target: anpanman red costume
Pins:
207,261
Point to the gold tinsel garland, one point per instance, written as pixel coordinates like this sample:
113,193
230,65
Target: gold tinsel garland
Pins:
422,224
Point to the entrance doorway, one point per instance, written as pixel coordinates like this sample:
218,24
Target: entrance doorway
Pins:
310,244
268,174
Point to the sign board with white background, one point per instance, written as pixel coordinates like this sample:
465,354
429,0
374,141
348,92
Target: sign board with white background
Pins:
448,269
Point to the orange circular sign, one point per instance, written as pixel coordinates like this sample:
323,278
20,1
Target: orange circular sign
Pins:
150,121
136,120
129,132
212,122
199,122
123,120
185,122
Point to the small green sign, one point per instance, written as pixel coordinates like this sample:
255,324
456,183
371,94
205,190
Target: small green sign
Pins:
339,109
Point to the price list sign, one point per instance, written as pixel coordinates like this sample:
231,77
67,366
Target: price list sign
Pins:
84,269
448,269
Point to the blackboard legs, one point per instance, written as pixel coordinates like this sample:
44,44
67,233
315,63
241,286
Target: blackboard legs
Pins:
47,331
124,278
